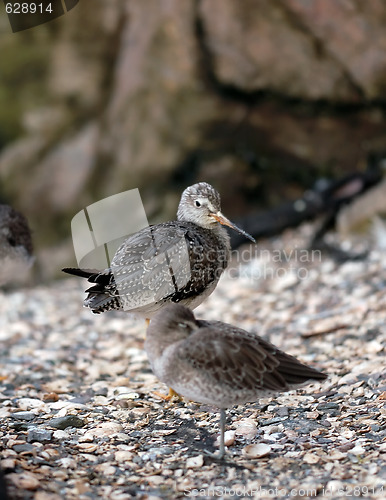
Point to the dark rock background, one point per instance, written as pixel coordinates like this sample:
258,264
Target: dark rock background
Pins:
257,97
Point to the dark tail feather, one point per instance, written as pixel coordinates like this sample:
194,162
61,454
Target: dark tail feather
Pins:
83,273
102,296
294,372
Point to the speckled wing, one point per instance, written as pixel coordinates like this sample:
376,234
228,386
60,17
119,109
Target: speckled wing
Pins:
230,360
151,265
230,356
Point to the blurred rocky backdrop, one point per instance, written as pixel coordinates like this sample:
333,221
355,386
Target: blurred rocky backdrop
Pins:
258,97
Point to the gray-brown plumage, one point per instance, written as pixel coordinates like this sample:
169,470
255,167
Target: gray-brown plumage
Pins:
218,364
15,246
178,261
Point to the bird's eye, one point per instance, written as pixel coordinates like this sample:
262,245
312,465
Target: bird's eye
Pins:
197,203
182,325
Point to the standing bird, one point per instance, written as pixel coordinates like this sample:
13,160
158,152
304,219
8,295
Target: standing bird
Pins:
218,364
15,246
178,261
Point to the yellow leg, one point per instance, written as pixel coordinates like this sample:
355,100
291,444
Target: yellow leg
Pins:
172,394
147,321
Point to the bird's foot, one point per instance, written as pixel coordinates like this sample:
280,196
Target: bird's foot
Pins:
168,397
220,455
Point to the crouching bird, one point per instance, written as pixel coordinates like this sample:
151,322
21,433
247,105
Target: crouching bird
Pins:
219,364
16,249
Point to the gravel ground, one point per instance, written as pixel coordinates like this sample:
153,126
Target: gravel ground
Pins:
82,416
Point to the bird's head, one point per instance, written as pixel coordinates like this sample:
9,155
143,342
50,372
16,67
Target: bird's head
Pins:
201,205
171,324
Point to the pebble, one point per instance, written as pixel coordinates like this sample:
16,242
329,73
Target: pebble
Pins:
106,429
123,456
358,450
246,428
50,397
229,438
24,415
40,435
61,435
67,463
44,495
24,481
106,469
67,421
195,462
23,448
8,464
121,436
28,403
162,450
256,450
87,447
311,458
282,411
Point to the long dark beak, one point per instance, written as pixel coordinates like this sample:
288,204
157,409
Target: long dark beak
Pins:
219,217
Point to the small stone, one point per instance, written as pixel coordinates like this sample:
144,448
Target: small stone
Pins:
246,428
45,495
61,435
106,429
23,448
24,481
121,436
154,481
123,456
161,450
28,403
101,400
67,463
50,397
282,411
311,458
106,469
229,438
312,414
195,462
336,455
358,450
23,415
335,486
270,421
87,447
67,421
8,464
256,450
49,454
346,446
86,438
40,435
101,391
